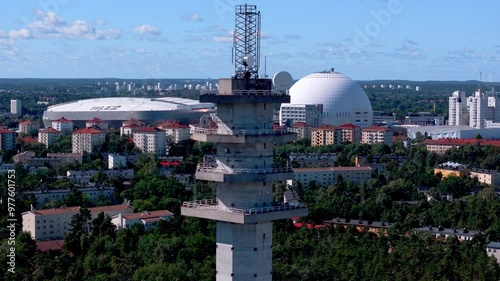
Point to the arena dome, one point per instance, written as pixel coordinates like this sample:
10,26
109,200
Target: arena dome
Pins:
344,101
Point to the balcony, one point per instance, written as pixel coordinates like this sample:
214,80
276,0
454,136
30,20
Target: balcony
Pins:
261,132
210,209
241,136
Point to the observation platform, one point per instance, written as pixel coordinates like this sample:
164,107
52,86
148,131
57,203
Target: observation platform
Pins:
211,209
242,175
243,136
246,96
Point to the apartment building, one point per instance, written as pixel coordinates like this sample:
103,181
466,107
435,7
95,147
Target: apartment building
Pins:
376,134
146,218
151,140
176,132
86,140
48,136
327,176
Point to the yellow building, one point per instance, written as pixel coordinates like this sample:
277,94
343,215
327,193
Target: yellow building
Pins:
450,168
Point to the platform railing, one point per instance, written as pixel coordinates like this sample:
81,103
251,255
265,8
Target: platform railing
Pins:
213,204
243,171
247,93
261,132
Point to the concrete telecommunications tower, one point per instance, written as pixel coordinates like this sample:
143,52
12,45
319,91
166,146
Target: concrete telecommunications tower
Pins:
243,165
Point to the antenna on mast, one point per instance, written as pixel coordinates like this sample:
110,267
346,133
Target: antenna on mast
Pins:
246,41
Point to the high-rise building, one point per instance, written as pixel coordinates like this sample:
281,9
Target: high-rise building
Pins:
311,114
86,140
479,111
242,167
15,107
458,110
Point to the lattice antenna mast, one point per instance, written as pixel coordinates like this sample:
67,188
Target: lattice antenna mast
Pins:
246,42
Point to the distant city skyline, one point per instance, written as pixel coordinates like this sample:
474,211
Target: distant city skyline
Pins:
364,40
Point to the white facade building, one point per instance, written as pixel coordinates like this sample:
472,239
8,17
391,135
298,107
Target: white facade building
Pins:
48,136
311,114
53,224
493,250
479,111
147,219
15,107
92,193
63,125
376,134
151,140
27,126
458,110
176,132
85,140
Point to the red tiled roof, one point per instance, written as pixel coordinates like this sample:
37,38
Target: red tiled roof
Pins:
327,126
62,120
96,120
53,245
377,128
27,122
172,125
148,130
30,139
88,131
49,130
461,142
121,207
300,125
348,125
148,215
6,131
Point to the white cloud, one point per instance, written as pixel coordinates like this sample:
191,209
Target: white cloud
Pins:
192,17
107,34
222,39
146,29
140,51
23,33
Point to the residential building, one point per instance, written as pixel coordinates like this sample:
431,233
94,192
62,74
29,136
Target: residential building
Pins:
128,129
379,162
16,107
440,146
148,219
116,161
84,177
97,123
311,114
376,134
7,140
86,140
27,126
176,132
444,233
490,177
327,176
48,136
328,134
458,111
450,168
303,130
376,227
53,224
493,250
350,133
151,140
63,125
92,193
313,160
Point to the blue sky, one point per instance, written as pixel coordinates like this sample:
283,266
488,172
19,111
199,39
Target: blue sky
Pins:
364,39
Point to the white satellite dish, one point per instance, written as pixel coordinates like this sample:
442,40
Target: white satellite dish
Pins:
282,80
248,60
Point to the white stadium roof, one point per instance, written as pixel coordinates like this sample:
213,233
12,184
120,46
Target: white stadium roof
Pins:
118,104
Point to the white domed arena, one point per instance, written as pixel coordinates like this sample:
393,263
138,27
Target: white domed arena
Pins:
344,101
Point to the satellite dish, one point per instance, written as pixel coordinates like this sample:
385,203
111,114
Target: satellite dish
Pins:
282,80
248,60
